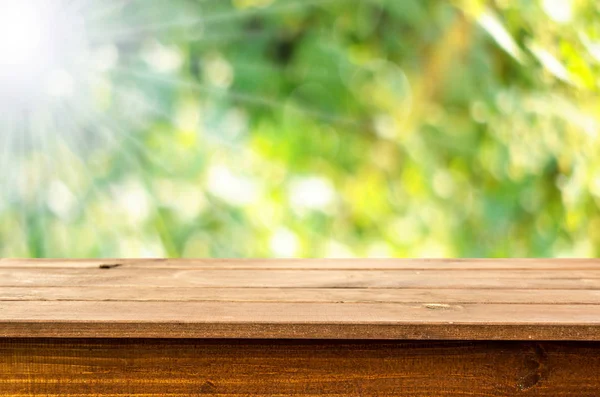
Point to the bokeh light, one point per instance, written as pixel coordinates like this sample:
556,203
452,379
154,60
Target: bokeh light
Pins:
299,128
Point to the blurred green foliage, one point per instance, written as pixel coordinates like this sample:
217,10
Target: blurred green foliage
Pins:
262,128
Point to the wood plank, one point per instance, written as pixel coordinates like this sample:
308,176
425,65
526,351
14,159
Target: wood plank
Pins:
430,279
313,264
299,320
315,295
292,368
99,299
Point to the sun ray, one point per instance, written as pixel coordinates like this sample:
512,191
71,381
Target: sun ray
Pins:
136,32
63,90
168,117
106,10
115,134
112,136
85,197
166,238
40,146
238,96
7,163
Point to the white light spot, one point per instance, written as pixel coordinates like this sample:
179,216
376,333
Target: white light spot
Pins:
134,246
336,249
162,58
188,116
134,200
232,188
560,11
312,193
219,72
285,243
550,62
490,22
385,127
379,250
186,199
60,199
593,47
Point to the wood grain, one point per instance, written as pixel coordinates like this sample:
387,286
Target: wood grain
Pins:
180,368
334,299
117,293
300,320
275,278
299,328
313,264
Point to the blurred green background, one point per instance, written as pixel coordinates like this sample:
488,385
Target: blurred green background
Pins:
275,128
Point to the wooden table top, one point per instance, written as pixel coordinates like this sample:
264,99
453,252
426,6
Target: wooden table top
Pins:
302,299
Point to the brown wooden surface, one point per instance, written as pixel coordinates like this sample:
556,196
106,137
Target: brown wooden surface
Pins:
334,299
177,368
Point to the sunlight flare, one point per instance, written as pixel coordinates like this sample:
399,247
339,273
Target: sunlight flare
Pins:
42,43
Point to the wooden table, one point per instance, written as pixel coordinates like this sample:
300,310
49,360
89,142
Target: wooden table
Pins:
300,328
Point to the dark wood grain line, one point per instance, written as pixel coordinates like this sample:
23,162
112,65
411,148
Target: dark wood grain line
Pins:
299,295
312,264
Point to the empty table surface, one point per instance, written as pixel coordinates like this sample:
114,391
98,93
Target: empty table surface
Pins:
507,299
